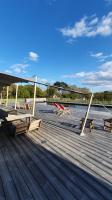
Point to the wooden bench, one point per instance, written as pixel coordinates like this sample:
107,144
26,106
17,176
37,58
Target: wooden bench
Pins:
108,124
89,124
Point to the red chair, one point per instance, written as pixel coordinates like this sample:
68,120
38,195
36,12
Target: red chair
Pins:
61,109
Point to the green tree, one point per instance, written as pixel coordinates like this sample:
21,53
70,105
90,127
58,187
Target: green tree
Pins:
61,84
23,92
50,91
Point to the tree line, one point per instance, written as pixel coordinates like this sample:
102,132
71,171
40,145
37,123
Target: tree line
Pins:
27,91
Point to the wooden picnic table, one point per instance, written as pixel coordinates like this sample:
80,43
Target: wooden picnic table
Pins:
13,123
12,118
18,123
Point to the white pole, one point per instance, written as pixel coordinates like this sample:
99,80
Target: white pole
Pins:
33,112
7,95
16,96
86,116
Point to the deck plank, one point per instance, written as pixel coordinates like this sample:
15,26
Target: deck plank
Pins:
30,180
50,176
8,184
55,162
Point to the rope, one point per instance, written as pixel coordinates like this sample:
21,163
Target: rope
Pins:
106,108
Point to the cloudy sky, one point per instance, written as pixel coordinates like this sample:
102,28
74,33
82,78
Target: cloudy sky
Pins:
65,40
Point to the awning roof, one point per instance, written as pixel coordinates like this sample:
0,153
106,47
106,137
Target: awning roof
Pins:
6,80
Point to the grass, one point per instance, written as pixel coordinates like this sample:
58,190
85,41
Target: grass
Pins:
63,100
12,100
67,100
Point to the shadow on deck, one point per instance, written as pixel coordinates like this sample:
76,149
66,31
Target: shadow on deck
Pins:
32,167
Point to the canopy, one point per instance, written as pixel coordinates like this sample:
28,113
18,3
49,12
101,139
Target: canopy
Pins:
7,80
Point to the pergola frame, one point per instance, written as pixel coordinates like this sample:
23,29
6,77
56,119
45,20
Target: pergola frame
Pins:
86,116
7,80
78,92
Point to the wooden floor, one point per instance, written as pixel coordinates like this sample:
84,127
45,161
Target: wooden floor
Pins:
55,163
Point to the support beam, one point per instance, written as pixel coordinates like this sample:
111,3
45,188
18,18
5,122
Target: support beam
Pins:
86,116
16,96
7,97
33,112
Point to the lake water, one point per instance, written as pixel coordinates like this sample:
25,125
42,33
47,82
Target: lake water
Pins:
93,108
101,109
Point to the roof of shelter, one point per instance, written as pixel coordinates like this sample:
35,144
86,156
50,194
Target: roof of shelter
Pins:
6,80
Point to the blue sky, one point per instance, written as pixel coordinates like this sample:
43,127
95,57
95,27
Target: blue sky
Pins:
65,40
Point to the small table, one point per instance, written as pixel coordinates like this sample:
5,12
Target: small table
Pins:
89,123
108,124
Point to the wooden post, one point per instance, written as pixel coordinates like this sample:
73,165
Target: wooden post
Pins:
16,96
34,98
86,116
7,95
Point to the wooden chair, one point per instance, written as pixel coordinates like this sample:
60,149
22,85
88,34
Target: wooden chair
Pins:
108,124
89,124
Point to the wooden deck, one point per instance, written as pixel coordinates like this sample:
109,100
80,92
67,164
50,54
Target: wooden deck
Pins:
55,163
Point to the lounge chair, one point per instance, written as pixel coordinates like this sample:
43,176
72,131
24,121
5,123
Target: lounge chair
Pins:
25,106
61,109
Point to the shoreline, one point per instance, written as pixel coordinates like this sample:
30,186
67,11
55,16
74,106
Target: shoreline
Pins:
80,104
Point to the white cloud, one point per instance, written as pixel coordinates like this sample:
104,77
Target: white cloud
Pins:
97,55
70,41
89,27
18,68
8,71
100,56
107,65
102,78
42,80
33,56
21,67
